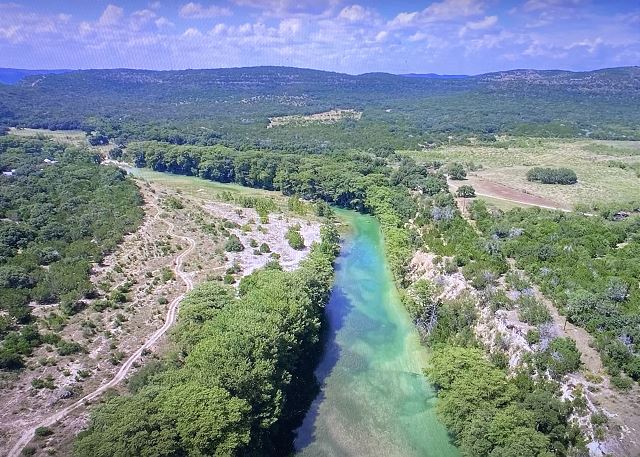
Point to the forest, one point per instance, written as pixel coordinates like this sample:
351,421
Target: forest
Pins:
60,212
239,375
232,107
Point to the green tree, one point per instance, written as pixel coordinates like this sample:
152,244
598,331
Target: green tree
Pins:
466,192
456,171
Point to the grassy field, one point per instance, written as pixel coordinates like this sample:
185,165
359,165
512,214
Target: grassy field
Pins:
202,188
598,180
75,137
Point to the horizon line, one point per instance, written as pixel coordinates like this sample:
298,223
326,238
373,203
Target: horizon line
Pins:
426,73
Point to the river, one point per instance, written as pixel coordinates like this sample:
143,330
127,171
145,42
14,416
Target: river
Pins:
374,398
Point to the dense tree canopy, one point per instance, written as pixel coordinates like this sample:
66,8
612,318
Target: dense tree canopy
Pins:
244,373
60,211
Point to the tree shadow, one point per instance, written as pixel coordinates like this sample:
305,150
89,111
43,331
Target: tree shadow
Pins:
336,312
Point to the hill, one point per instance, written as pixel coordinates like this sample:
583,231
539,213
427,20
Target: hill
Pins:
231,105
14,75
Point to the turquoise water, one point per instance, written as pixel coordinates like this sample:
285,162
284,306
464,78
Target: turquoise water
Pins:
374,399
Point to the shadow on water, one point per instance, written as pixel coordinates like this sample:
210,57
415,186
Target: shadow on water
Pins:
336,312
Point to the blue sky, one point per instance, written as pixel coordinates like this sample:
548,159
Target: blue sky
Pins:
446,36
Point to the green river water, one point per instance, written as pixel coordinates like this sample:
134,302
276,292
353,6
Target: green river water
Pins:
374,399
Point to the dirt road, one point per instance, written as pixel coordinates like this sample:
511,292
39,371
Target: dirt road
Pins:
486,188
170,319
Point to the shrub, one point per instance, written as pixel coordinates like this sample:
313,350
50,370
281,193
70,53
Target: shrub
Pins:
552,175
456,171
43,431
532,312
466,191
43,383
233,244
533,336
599,418
69,347
564,356
633,368
617,290
294,238
264,248
621,382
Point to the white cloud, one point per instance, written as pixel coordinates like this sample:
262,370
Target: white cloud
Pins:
192,32
283,8
111,15
218,29
492,40
11,34
452,9
546,5
356,13
589,45
483,24
404,20
446,10
141,18
162,22
198,11
290,27
486,23
418,36
382,36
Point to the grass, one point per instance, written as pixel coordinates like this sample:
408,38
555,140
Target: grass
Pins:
597,181
202,188
75,137
503,205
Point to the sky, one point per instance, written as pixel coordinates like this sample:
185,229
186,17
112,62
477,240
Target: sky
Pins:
403,36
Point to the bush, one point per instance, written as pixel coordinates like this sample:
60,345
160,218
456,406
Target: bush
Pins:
233,244
43,431
533,336
466,191
43,383
564,357
599,418
294,238
552,175
621,382
531,311
456,171
69,347
264,248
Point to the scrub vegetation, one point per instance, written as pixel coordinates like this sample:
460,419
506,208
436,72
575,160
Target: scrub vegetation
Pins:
60,212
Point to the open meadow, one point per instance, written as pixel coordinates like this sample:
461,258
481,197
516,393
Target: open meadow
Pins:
607,170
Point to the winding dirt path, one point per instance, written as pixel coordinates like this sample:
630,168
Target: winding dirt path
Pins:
124,370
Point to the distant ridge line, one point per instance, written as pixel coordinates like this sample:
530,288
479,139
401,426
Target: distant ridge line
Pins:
433,76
